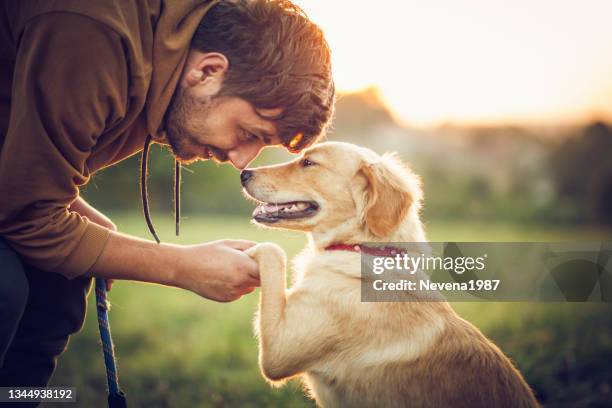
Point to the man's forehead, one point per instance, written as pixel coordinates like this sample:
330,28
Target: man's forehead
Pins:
269,113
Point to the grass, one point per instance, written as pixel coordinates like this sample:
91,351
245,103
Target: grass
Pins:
176,349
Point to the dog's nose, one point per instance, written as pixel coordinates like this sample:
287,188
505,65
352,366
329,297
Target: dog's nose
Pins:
245,175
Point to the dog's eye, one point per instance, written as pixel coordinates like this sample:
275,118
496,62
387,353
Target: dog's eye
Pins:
307,163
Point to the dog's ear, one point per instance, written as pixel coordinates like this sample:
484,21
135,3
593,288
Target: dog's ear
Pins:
390,192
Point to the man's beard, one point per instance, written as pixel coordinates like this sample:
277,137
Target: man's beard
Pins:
186,108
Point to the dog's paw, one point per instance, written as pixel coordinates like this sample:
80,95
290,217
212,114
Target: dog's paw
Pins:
267,252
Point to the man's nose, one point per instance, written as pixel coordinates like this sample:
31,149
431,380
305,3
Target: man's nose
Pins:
245,176
242,156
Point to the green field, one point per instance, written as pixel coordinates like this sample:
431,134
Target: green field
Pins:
178,350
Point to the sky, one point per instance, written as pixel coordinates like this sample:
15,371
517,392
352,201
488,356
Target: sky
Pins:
474,61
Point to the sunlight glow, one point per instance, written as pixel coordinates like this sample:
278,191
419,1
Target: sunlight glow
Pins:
474,61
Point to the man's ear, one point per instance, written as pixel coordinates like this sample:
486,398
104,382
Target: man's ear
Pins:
388,195
205,72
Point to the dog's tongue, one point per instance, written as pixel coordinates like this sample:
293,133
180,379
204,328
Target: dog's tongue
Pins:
278,208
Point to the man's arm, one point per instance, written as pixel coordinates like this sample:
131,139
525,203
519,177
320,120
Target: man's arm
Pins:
218,270
82,207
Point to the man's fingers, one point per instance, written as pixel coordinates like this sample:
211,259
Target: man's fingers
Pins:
252,281
240,244
254,272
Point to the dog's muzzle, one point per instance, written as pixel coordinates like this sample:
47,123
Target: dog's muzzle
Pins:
245,176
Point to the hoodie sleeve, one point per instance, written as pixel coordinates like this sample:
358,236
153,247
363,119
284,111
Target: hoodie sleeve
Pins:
69,85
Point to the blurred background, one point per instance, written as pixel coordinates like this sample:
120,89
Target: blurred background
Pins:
503,108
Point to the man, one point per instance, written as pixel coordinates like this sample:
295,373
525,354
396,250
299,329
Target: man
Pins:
82,84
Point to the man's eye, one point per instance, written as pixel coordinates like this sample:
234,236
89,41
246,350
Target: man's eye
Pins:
250,136
307,163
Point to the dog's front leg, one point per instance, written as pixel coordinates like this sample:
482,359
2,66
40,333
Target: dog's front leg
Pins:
274,349
271,260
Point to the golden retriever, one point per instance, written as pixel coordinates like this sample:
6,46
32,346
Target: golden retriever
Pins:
352,353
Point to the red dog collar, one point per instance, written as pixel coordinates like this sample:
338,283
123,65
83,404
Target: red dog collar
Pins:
376,251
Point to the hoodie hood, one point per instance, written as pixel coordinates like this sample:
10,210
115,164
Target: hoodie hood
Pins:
177,23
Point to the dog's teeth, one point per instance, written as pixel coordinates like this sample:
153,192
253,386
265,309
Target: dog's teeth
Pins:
281,208
271,208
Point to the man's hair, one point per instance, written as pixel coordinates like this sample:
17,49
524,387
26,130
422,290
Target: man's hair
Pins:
278,58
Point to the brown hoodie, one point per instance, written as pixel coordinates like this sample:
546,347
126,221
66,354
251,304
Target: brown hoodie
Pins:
85,82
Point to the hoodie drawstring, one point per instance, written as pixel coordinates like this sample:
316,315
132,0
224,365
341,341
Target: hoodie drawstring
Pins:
177,196
145,196
143,187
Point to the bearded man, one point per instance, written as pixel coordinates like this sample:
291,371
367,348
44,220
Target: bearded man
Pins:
84,85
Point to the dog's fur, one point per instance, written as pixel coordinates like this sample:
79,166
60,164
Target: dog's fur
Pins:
351,353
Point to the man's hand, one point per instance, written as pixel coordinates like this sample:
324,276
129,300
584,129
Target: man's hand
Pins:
84,209
218,270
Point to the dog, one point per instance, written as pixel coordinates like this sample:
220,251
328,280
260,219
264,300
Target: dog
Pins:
351,353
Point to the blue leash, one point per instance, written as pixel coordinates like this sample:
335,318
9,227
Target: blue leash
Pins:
116,398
